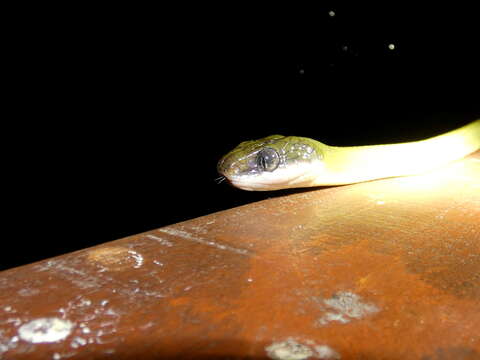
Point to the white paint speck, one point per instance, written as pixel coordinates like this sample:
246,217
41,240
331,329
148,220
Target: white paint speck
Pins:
77,342
14,339
326,352
288,350
111,312
56,356
28,292
7,308
45,330
84,302
350,304
330,316
188,236
160,240
159,263
380,202
137,257
154,294
249,279
345,306
291,349
147,325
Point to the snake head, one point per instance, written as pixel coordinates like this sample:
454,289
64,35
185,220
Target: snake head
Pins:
271,163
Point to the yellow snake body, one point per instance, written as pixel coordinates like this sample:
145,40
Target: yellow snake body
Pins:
278,162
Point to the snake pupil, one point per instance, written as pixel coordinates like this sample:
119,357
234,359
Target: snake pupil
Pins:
263,163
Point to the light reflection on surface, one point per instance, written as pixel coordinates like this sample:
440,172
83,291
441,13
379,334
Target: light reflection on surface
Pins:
463,173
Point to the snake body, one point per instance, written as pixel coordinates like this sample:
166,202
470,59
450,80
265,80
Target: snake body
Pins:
279,162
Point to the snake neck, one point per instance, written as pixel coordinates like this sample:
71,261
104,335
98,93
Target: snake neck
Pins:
345,165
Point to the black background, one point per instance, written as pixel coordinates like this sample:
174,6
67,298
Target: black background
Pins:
117,114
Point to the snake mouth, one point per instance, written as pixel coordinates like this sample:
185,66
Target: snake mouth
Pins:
246,184
293,175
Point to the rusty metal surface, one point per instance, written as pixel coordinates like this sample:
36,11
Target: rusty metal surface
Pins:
387,269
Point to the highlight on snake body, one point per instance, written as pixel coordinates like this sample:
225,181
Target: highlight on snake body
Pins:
279,162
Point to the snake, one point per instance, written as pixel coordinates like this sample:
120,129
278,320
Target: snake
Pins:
280,162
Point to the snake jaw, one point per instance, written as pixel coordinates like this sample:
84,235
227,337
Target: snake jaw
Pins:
299,175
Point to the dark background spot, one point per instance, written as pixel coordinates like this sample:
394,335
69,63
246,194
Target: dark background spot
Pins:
117,114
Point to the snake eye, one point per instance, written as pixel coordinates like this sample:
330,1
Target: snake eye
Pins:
268,159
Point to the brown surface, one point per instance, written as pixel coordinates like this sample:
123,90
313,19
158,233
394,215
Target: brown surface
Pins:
387,269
